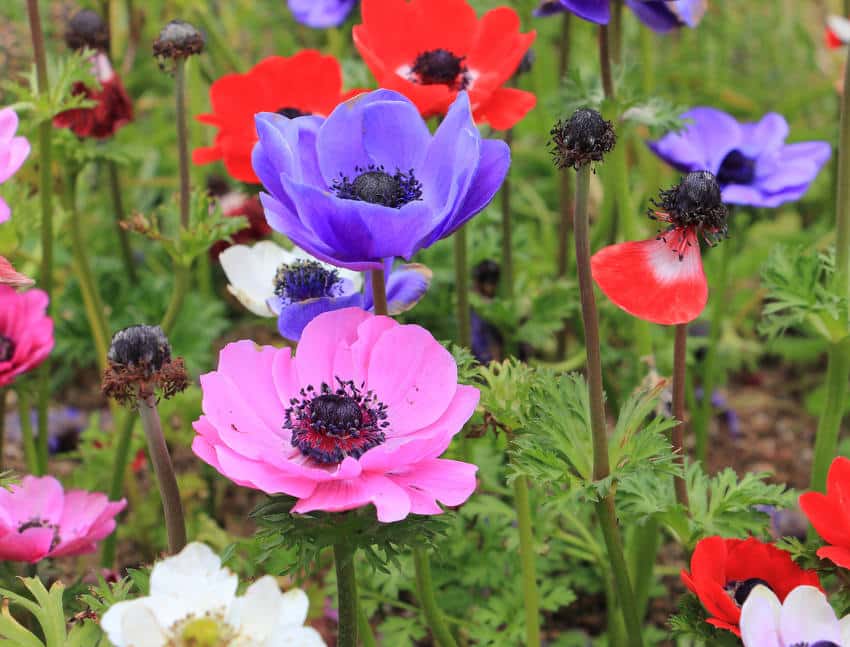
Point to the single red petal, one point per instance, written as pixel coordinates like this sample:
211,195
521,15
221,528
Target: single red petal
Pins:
499,45
837,555
827,517
721,624
206,154
832,40
391,30
447,24
505,107
650,280
709,559
313,82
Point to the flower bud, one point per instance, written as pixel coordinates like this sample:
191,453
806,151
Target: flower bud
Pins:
584,138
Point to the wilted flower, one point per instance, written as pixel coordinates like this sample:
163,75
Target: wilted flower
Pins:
10,276
177,40
13,151
430,50
321,14
38,519
583,138
308,83
26,332
193,601
805,619
359,415
658,15
372,182
751,161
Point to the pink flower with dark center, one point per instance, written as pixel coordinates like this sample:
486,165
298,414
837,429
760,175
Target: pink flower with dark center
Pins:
39,519
13,152
26,332
359,415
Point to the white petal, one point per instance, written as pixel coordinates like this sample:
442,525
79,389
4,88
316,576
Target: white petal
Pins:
807,617
844,627
760,619
295,637
256,613
251,271
133,624
840,26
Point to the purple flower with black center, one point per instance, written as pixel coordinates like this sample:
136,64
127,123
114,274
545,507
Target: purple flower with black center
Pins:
659,15
321,14
371,182
753,164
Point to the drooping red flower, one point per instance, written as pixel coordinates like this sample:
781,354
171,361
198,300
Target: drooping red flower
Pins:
308,83
830,513
661,279
429,50
724,571
233,204
113,110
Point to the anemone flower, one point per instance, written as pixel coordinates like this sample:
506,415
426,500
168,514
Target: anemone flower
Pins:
752,163
193,601
10,276
358,416
837,32
724,573
26,332
293,286
372,182
13,151
444,49
804,619
321,14
661,279
308,83
830,513
39,519
659,15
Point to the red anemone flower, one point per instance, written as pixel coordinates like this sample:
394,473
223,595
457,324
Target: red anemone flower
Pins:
112,110
308,83
661,279
429,50
830,513
724,571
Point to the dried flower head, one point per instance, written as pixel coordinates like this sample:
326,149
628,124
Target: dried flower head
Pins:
178,39
583,138
87,29
696,204
140,365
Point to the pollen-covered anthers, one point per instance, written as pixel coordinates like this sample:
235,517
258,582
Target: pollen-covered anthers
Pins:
694,208
584,138
329,425
178,39
87,29
140,365
306,279
376,186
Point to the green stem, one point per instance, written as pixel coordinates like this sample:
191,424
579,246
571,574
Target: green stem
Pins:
647,60
643,551
462,285
507,281
182,139
829,424
25,417
425,592
178,294
116,487
45,193
616,31
379,292
119,215
565,197
677,434
605,62
172,507
531,597
367,637
346,586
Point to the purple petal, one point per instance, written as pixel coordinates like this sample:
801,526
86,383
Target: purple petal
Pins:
321,14
406,286
702,144
295,316
597,11
655,14
394,135
765,136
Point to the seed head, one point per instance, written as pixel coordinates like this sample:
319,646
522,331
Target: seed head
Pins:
87,29
584,138
178,39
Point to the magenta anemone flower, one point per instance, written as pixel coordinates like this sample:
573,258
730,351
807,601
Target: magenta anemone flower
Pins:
359,415
39,519
13,151
26,332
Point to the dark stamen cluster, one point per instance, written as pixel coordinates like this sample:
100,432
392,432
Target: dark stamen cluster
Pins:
584,138
440,66
736,168
694,204
328,425
7,348
526,63
739,590
303,280
87,29
35,522
178,39
376,186
292,113
140,364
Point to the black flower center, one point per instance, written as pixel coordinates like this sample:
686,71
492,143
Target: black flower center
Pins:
7,348
329,425
292,113
440,66
35,522
583,138
736,168
304,280
376,186
740,590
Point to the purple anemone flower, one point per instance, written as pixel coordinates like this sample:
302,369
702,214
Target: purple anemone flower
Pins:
371,182
659,15
321,14
752,163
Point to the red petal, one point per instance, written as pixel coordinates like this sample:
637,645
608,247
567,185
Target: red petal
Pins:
381,34
832,40
827,516
447,24
838,556
648,279
206,154
505,107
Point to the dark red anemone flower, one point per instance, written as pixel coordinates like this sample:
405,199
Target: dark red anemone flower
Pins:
113,107
234,204
429,50
661,279
308,83
830,513
724,571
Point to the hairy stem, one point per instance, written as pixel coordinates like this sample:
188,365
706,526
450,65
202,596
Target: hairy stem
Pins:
565,188
427,601
346,586
605,62
119,215
182,139
464,330
531,597
677,435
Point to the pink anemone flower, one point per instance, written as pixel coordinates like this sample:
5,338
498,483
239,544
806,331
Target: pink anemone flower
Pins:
13,152
39,519
359,415
26,332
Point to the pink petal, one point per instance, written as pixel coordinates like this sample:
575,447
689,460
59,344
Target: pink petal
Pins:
14,155
285,376
261,476
391,501
450,482
8,124
317,354
368,334
31,546
250,369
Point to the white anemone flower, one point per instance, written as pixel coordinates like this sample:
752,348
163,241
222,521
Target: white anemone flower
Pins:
805,619
251,272
193,602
